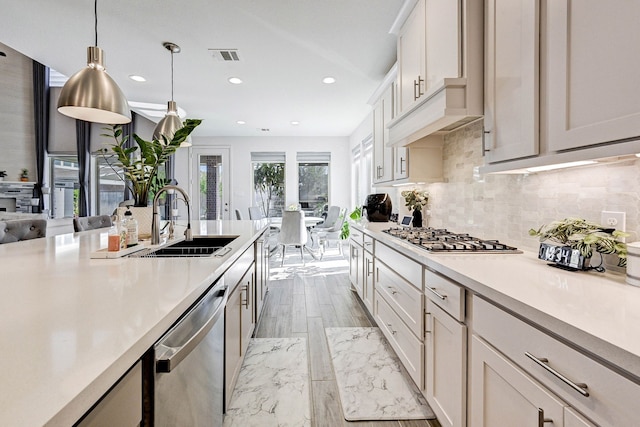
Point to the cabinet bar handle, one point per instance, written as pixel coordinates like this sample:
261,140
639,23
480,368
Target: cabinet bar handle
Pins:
368,271
245,288
391,329
541,419
438,294
484,142
401,162
393,291
543,362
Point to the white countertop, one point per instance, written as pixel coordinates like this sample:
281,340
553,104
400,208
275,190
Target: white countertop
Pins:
72,325
598,312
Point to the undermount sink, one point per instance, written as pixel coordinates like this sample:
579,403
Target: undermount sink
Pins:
200,246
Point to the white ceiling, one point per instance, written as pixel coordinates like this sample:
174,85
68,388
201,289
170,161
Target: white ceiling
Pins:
286,47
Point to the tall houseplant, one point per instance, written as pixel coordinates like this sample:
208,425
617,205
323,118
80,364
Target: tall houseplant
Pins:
268,182
140,163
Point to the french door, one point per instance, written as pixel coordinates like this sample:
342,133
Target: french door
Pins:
210,180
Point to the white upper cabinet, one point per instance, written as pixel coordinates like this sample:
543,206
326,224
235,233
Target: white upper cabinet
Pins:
593,65
382,154
511,79
439,68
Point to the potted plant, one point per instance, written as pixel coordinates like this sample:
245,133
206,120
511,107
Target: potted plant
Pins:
140,164
2,175
24,175
584,236
355,215
415,200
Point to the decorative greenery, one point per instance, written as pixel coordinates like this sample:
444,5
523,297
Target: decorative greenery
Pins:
3,174
415,199
268,182
24,173
584,236
355,215
141,172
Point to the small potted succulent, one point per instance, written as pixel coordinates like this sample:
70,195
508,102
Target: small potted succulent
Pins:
24,175
2,175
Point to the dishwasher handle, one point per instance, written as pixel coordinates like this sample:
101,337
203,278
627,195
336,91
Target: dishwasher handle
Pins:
171,356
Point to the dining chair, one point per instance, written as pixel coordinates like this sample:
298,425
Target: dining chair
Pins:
22,229
85,223
255,213
333,214
330,234
292,232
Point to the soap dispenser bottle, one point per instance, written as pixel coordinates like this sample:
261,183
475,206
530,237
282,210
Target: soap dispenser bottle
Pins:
131,225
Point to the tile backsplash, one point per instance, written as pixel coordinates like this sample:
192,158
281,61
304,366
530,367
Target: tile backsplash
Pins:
505,207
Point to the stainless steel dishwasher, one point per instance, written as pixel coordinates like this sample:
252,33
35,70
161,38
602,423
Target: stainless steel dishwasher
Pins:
189,366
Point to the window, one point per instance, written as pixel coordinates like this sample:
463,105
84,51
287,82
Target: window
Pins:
65,185
109,185
313,182
268,182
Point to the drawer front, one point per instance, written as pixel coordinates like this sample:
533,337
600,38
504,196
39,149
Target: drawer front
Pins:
368,243
409,269
234,274
405,300
408,348
447,294
612,399
356,236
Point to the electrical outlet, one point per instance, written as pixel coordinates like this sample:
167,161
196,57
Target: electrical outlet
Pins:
614,220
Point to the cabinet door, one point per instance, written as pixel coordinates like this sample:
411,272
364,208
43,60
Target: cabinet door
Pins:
401,159
247,318
573,419
443,41
411,57
445,366
259,275
232,341
356,263
511,79
592,72
503,395
382,155
368,281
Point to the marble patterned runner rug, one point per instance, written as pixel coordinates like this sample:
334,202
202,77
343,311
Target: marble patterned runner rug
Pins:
371,382
273,385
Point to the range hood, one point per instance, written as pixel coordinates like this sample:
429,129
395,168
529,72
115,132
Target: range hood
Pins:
444,108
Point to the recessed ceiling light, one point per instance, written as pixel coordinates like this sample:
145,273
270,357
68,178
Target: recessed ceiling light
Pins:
295,123
136,78
241,122
328,80
235,80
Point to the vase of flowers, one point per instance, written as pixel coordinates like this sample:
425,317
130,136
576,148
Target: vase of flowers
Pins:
415,200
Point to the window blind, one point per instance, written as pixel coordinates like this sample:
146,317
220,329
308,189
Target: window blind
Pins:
268,157
313,157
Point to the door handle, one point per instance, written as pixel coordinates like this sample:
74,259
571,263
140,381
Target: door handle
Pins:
544,363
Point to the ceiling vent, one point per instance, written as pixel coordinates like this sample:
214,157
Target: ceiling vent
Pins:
225,55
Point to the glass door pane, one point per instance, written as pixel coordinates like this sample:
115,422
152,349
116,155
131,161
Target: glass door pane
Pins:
210,184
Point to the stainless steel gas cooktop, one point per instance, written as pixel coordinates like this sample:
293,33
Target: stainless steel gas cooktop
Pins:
442,240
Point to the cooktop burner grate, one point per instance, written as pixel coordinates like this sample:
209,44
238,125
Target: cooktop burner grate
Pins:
442,240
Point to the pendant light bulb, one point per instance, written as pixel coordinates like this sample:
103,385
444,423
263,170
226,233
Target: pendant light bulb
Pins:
91,94
171,122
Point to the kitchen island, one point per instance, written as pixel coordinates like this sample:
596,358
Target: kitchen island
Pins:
73,325
483,322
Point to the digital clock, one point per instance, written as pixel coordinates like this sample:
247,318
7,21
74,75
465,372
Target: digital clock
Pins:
563,256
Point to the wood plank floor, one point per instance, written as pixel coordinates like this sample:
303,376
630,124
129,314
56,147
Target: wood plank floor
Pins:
301,302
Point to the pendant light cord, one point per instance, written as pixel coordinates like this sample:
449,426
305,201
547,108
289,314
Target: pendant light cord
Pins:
171,73
95,15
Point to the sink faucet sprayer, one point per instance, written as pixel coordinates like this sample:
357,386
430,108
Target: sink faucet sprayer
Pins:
155,220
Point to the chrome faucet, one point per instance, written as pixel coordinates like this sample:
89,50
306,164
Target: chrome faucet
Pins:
155,220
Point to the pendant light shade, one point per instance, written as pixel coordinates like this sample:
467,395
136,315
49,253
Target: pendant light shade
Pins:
91,94
171,122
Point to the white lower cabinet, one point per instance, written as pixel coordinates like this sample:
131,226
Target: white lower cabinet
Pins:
445,366
368,285
574,419
121,406
501,394
356,266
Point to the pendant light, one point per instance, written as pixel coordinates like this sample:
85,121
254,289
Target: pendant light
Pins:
171,122
91,94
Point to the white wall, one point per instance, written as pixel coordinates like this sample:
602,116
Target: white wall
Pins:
241,172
